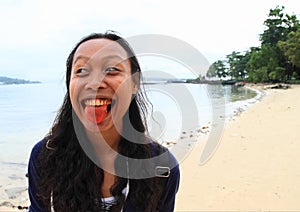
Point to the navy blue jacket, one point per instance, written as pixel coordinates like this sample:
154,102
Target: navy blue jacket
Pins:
34,167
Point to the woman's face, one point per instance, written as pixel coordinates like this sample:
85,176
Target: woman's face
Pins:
101,85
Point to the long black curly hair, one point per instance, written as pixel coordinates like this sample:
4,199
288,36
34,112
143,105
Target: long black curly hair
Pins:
70,180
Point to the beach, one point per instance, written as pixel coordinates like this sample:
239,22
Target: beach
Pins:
256,166
13,188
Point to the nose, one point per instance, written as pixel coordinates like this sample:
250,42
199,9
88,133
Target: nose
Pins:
96,82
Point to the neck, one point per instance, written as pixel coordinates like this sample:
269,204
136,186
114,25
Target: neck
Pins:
106,147
105,141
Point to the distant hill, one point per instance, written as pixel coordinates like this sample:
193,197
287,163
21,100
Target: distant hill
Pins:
9,81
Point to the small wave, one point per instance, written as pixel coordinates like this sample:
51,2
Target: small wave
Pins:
5,163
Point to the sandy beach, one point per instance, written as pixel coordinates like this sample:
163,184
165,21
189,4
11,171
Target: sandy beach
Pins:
256,166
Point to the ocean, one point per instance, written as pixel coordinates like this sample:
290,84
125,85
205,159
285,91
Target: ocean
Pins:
27,112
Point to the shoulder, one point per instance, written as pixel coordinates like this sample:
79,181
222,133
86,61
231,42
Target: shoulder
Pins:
34,160
37,148
158,150
34,177
171,183
166,158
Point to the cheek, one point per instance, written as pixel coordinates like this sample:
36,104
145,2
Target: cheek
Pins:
125,90
127,83
72,90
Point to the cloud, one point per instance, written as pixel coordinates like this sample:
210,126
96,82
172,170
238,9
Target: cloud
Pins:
47,30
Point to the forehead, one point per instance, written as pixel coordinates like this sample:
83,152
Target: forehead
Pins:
100,48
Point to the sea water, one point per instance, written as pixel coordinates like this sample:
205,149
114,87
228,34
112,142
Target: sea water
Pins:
27,112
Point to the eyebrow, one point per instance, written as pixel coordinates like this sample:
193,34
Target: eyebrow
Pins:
82,57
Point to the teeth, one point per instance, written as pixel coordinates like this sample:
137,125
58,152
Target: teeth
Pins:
97,102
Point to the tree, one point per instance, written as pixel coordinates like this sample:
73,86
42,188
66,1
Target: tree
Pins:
237,65
217,69
276,59
264,65
247,58
273,64
291,49
278,26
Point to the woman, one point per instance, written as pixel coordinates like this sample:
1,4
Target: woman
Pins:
97,156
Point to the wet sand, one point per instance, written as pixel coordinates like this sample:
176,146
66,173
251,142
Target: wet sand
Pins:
13,187
256,166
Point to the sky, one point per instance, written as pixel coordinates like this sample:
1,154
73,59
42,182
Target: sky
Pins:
37,36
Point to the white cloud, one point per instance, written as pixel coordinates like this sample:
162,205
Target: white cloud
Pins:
50,28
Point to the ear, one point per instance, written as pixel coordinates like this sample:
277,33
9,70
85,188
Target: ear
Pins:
135,88
136,82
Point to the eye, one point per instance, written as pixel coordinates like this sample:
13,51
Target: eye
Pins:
81,71
112,70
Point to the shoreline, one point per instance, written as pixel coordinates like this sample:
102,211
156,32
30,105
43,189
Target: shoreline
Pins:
238,107
13,191
13,183
255,166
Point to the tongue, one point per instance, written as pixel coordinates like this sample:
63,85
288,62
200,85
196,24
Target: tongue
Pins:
96,114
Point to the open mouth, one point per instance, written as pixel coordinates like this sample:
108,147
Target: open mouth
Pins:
97,109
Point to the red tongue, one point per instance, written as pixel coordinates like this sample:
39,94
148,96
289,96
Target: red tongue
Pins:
96,114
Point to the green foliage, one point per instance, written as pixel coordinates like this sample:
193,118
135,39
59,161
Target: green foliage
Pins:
291,47
265,64
212,71
217,69
277,59
278,25
237,65
258,75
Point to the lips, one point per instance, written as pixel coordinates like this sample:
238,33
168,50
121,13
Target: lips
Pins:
97,109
